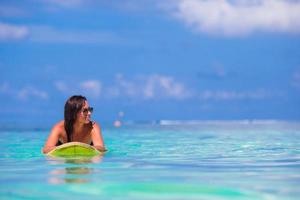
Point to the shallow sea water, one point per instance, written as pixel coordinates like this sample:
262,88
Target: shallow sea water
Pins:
164,160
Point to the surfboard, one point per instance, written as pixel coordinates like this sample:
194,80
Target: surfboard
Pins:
74,149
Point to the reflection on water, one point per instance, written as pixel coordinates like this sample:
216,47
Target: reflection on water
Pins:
75,170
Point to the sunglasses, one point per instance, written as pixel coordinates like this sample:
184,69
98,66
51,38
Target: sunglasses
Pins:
86,110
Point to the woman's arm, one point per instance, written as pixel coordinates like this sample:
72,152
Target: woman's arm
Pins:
52,138
97,138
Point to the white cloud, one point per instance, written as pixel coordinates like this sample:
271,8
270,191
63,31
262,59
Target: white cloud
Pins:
150,87
48,34
29,91
24,93
125,87
238,17
90,88
13,32
138,87
157,87
233,95
165,86
61,86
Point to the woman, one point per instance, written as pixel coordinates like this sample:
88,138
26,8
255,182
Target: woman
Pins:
76,126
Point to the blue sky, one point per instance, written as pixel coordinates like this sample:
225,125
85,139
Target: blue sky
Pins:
151,59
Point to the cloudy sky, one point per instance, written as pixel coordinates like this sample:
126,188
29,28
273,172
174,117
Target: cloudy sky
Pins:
150,59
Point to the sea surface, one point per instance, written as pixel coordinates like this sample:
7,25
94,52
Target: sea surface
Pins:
160,160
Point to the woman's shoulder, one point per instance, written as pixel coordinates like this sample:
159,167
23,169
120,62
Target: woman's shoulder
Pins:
59,126
94,125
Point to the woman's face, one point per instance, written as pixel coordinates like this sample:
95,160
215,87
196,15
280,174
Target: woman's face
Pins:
84,116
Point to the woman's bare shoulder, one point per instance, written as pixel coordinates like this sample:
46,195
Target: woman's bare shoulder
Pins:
94,125
59,127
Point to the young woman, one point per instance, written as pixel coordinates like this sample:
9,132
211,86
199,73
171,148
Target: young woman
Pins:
76,126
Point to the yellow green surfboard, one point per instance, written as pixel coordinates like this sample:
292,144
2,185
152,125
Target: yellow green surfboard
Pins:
74,149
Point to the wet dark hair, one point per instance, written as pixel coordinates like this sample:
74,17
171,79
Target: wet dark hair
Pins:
72,106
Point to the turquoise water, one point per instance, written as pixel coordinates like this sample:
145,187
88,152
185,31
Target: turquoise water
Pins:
165,160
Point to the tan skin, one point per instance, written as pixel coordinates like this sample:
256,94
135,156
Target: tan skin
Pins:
84,131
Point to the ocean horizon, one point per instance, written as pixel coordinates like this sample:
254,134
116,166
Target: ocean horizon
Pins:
163,122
